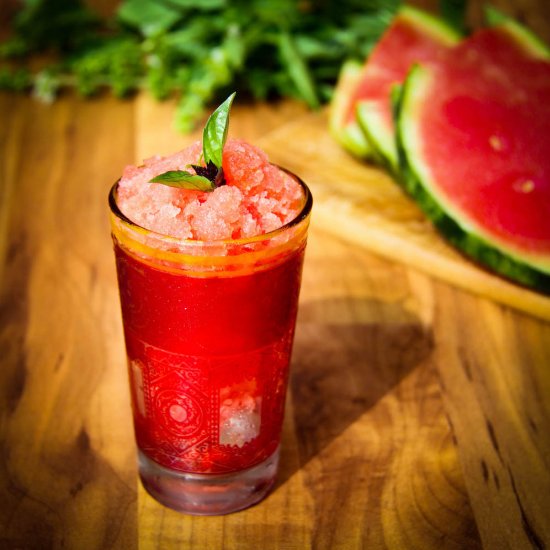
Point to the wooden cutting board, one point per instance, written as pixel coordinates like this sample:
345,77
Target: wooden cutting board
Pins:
362,204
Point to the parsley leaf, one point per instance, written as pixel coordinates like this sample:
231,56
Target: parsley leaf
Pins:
193,51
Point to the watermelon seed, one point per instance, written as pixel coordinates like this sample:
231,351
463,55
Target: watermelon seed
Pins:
524,186
496,143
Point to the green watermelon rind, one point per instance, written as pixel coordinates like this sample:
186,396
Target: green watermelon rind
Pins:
432,24
375,129
371,122
523,36
461,232
531,43
348,135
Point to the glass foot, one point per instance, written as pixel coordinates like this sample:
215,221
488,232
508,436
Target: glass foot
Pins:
208,494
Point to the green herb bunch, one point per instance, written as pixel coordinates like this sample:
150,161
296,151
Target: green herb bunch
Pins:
194,50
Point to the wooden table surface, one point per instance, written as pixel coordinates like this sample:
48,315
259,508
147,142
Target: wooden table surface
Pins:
418,414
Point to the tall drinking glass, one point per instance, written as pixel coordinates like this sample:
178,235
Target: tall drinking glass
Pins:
208,328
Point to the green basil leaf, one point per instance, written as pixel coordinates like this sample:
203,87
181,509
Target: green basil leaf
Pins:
215,133
297,69
184,180
203,5
151,18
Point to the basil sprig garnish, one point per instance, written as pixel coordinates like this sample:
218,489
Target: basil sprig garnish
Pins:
210,176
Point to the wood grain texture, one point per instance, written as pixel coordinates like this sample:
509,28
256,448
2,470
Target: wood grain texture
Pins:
495,377
67,462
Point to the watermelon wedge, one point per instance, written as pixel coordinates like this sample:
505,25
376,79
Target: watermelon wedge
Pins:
413,36
472,134
342,122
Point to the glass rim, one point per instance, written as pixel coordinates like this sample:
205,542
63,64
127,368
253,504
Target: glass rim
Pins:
301,216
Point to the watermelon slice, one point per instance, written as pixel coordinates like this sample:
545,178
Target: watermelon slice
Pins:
342,122
412,36
472,134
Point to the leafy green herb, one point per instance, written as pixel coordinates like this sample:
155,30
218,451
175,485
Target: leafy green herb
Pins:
214,136
189,50
297,69
184,179
453,13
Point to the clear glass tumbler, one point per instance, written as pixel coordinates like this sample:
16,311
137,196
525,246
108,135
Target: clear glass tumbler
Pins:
208,328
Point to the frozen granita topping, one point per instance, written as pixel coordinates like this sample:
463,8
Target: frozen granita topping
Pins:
256,197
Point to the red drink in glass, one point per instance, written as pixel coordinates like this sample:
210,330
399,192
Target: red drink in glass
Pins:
208,329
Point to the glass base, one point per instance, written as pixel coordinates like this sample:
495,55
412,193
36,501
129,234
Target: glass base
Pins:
208,494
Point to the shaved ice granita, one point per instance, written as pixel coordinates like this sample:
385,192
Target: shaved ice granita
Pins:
209,245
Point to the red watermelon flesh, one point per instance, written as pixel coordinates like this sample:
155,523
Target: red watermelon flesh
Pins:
404,43
413,37
485,130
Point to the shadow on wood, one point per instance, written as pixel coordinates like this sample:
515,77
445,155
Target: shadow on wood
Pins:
342,369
